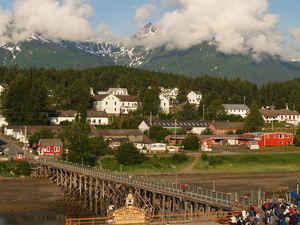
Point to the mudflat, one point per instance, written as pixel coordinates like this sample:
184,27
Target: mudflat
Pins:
22,197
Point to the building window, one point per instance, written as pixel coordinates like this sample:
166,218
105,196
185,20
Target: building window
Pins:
106,103
48,149
280,136
115,103
115,109
56,149
280,142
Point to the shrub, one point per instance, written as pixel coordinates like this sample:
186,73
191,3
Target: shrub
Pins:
179,158
204,157
191,142
127,154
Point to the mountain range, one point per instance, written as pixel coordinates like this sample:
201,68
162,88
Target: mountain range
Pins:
202,59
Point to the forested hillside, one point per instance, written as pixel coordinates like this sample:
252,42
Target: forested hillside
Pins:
69,89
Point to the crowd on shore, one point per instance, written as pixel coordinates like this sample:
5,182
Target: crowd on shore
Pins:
274,213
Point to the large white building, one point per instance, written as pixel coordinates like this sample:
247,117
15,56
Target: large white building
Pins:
284,115
2,88
194,97
93,117
115,104
236,109
164,104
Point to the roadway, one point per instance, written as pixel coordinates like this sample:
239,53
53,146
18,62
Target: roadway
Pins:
13,148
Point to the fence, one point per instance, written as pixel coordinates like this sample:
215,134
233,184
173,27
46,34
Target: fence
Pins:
161,219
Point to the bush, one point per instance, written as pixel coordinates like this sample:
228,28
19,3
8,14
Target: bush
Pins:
179,158
127,154
191,142
204,157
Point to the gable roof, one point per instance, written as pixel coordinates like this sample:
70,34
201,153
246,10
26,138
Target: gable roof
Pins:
235,107
274,112
186,124
99,114
223,125
51,142
33,129
63,113
117,132
100,97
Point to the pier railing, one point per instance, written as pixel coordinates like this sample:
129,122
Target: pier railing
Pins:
216,198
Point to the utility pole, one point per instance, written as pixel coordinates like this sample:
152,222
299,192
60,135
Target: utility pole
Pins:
203,112
175,133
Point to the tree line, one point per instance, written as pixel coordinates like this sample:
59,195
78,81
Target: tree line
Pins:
32,92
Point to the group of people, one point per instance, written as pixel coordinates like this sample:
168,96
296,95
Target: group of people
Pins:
281,213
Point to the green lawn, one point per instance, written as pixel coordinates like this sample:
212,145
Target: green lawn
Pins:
156,164
250,163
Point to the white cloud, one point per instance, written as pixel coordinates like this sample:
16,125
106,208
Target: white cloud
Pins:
237,26
145,12
67,19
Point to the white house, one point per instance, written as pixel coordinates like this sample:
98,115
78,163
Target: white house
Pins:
194,97
3,121
62,115
97,118
170,93
157,147
236,109
115,104
2,88
284,115
164,104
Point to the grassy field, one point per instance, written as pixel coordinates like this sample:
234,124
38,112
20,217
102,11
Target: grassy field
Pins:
155,164
250,163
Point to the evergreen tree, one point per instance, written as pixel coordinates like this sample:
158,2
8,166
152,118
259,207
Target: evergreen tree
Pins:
188,112
158,133
254,121
191,142
149,100
127,154
25,102
216,111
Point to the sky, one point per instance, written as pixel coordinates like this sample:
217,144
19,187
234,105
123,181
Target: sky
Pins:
235,26
119,15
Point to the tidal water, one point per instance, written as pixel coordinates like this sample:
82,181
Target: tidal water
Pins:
29,221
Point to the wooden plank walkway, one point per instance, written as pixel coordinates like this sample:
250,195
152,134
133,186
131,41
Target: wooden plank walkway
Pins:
213,198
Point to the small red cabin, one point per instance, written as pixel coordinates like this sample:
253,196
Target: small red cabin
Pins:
273,139
20,156
50,147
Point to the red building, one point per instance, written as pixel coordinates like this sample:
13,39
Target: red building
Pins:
50,147
273,139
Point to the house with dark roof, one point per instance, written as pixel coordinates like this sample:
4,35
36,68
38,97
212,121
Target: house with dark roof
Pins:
236,109
192,126
224,127
281,115
115,104
133,135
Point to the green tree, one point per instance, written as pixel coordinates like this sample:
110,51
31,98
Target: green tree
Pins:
98,146
158,133
150,100
181,98
216,111
26,101
254,120
76,137
191,142
188,112
127,154
207,131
